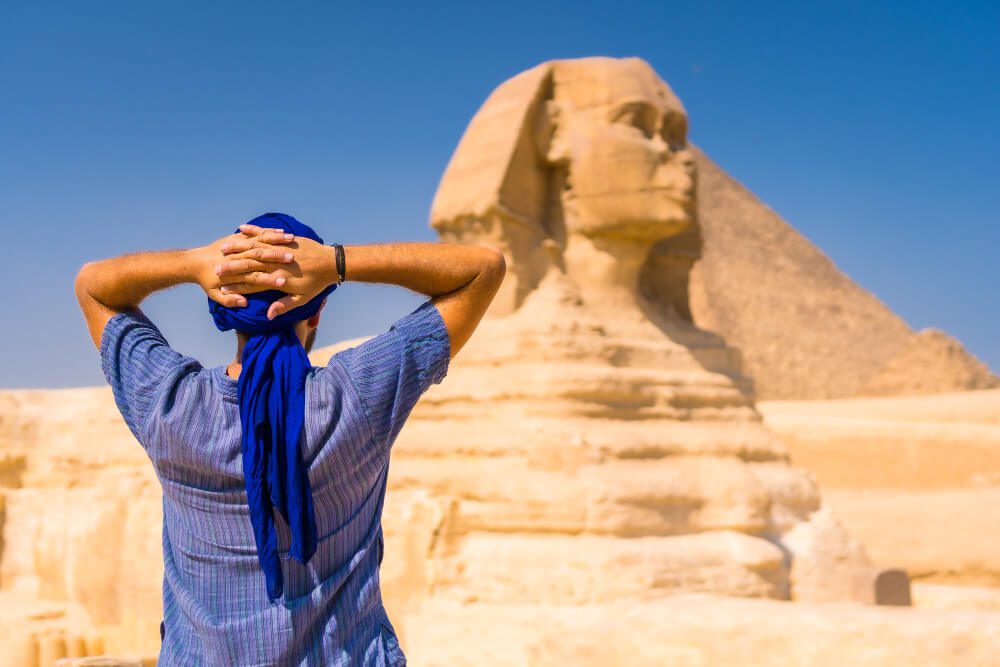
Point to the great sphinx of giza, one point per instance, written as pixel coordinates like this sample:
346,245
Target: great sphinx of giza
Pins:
591,442
605,166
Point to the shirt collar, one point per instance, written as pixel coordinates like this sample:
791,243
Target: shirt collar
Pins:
224,384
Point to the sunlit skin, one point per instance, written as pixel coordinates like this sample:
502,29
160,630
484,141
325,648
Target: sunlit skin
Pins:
461,280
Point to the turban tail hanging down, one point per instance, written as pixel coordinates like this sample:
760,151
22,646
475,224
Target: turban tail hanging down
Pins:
271,394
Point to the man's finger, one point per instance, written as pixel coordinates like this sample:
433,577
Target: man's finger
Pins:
236,270
244,244
275,236
265,253
241,288
255,230
245,288
234,267
237,245
285,304
260,278
227,300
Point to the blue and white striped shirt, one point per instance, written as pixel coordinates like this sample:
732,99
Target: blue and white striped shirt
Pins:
186,417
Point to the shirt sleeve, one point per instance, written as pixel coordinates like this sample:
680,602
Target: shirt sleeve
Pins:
137,363
392,370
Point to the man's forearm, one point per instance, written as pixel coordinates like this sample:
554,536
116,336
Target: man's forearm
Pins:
121,283
461,279
110,286
433,269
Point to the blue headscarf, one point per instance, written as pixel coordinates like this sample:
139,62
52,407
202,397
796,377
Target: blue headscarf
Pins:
271,394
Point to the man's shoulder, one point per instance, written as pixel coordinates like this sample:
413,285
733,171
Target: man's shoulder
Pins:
334,374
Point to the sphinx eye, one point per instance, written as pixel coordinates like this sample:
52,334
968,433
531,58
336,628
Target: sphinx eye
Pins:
638,116
674,129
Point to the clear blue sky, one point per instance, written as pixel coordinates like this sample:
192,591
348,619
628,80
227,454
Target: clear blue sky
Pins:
871,127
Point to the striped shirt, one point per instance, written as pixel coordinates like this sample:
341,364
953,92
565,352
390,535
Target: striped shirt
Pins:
186,417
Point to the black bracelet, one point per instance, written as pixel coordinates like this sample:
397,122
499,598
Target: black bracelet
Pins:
341,265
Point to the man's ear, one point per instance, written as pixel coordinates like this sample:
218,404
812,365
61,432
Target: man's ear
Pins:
313,321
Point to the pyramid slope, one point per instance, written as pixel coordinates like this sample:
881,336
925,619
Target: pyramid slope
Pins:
804,328
931,362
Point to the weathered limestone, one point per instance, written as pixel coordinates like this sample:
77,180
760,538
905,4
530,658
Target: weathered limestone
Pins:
820,547
892,587
586,429
915,478
101,661
930,362
697,630
805,329
80,527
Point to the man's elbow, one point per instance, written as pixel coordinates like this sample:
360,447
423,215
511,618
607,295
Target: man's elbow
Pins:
83,282
494,265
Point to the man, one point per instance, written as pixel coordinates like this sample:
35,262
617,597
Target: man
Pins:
274,472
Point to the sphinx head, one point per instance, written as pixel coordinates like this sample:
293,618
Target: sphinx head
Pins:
618,135
594,148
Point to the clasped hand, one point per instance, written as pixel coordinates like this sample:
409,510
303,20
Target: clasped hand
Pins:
257,259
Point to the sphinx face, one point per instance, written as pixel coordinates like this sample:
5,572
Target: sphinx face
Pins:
624,136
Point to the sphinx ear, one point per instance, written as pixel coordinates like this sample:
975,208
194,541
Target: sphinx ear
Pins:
495,189
549,134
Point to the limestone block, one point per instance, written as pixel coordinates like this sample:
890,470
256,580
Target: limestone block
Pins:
588,569
779,317
79,542
792,491
892,587
99,661
699,630
827,564
943,596
22,650
438,430
412,521
12,466
76,646
94,644
51,647
930,362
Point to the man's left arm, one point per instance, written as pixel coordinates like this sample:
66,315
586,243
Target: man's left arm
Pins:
107,287
136,359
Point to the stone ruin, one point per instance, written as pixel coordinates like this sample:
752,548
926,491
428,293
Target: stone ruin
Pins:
591,443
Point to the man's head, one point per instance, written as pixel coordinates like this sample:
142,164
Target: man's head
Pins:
304,329
251,320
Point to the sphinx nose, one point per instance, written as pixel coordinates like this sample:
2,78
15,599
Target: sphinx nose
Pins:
676,171
661,147
685,158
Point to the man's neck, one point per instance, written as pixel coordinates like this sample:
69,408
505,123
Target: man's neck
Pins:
235,367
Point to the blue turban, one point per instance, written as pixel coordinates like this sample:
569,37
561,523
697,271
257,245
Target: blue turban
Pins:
271,394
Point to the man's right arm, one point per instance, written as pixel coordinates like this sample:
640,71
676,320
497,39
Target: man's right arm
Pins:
460,279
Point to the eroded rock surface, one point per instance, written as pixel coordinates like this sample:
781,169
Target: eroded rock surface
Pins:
589,427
